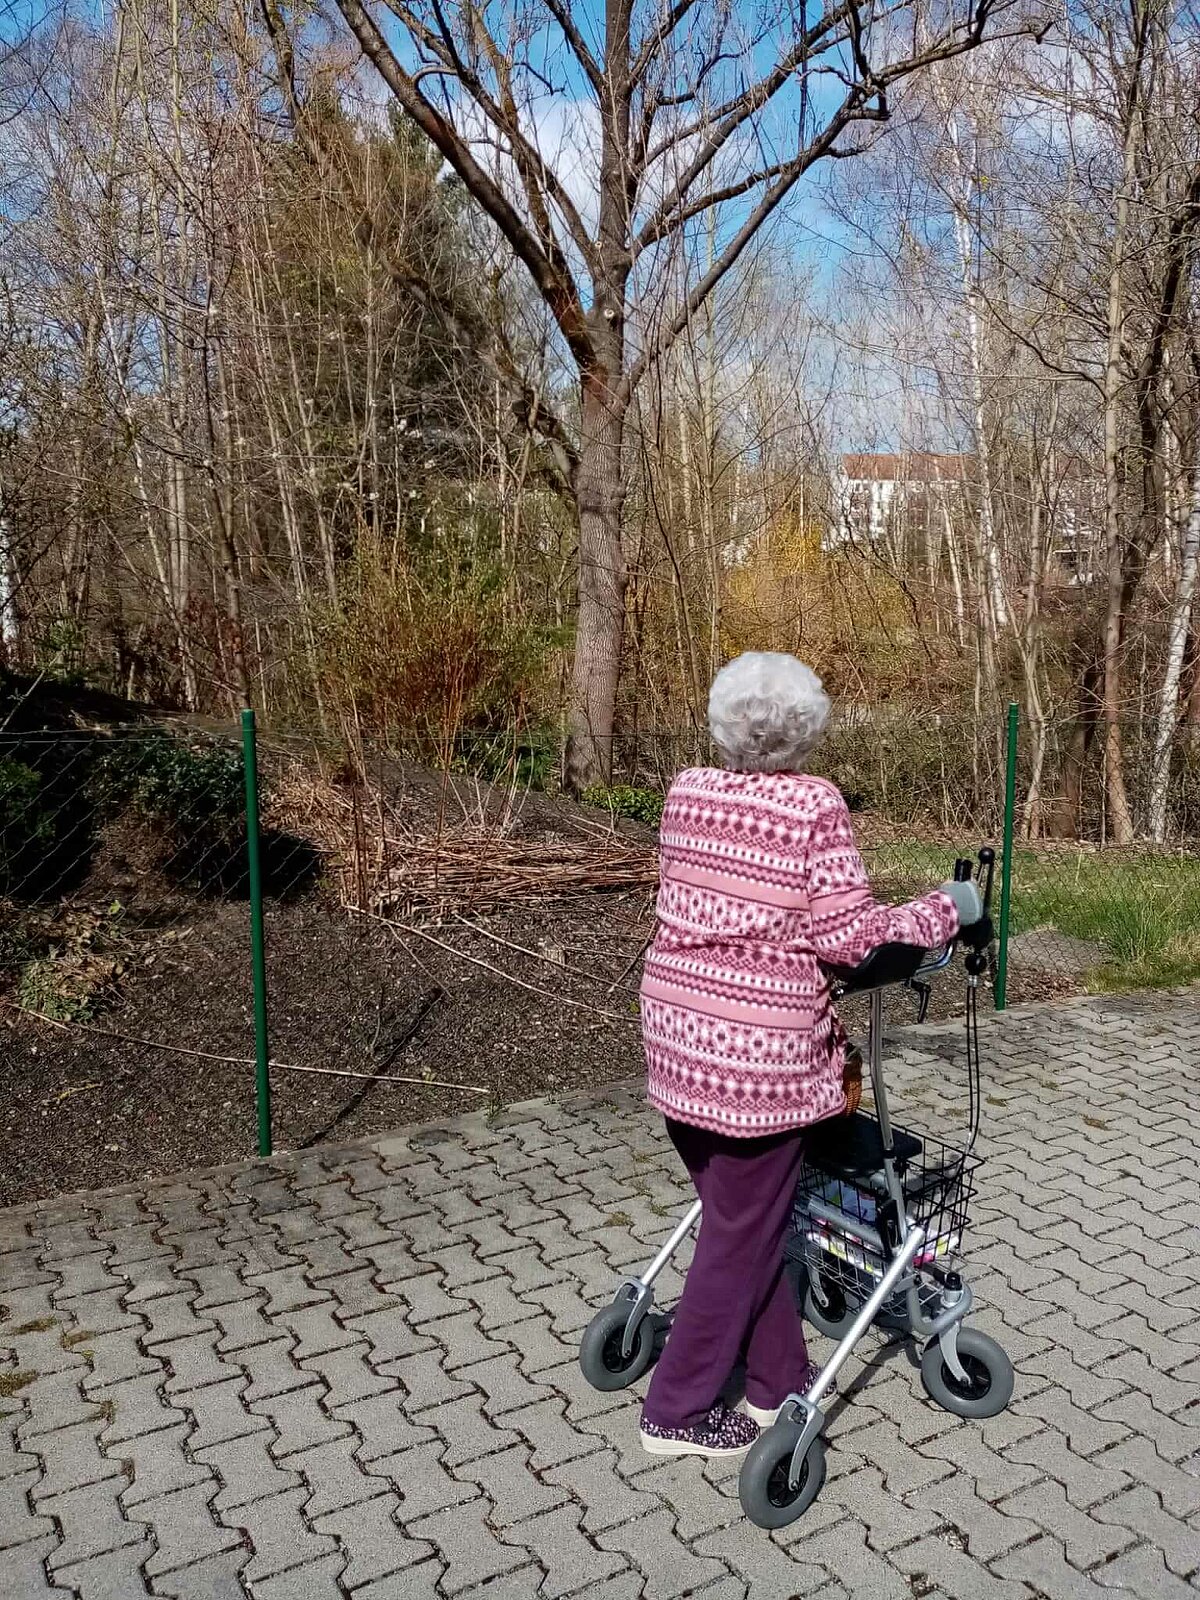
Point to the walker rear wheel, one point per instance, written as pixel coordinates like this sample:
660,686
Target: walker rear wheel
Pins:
600,1356
989,1384
767,1497
834,1317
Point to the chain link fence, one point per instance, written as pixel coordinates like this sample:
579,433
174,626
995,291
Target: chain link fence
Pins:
109,841
180,942
1085,912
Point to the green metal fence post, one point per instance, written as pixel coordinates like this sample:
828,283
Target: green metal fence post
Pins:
1006,866
257,936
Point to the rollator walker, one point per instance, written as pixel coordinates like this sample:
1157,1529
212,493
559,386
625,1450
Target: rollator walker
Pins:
879,1221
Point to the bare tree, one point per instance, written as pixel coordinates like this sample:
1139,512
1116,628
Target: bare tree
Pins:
697,113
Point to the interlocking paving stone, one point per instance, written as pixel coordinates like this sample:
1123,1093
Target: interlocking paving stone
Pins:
1084,1482
1043,1567
91,1523
12,1459
279,1535
468,1433
25,1576
1140,1512
157,1464
113,1358
348,1375
216,1578
219,1413
771,1567
422,1482
1178,1487
247,1470
571,1561
370,1534
382,1428
18,1522
414,1583
72,1457
54,1402
596,1482
353,1372
509,1482
298,1420
956,1573
113,1575
652,1546
1087,1538
1144,1571
464,1539
185,1527
316,1580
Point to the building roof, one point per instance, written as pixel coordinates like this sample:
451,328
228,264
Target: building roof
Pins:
913,466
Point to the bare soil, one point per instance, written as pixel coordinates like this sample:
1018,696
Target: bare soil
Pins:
455,1004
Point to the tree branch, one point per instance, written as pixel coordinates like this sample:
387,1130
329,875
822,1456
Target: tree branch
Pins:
654,41
855,107
592,68
472,333
547,268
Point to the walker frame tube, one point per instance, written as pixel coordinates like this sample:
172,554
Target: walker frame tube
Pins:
640,1291
809,1403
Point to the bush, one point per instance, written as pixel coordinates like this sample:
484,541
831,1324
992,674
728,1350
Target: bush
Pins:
192,794
26,822
528,762
171,781
623,800
427,647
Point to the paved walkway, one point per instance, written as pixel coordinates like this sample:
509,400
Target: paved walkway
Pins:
352,1372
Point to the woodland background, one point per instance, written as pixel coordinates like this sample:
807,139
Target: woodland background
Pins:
459,385
286,420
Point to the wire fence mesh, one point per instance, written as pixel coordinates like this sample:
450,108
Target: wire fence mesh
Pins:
125,909
1086,912
109,842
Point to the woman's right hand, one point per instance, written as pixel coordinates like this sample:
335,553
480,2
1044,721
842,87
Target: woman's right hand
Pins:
968,901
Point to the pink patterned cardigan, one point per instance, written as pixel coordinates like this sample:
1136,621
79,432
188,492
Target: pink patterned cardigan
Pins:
759,878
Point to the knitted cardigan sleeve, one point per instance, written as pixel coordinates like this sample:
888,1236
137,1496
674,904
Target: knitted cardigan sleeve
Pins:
847,921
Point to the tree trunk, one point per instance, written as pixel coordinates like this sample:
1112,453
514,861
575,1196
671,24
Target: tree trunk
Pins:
9,586
1064,817
991,574
600,492
1120,820
1168,700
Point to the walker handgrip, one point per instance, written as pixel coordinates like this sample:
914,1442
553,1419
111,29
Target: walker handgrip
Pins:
987,865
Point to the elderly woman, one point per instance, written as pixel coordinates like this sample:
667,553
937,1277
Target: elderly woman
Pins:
761,882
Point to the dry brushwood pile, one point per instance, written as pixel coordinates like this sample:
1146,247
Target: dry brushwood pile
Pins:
391,852
472,870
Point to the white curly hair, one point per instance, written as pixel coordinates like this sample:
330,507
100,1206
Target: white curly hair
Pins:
766,712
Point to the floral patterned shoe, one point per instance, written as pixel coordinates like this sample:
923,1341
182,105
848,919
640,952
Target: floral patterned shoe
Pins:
722,1433
765,1416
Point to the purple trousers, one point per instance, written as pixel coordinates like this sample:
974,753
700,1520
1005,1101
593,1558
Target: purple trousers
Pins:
737,1302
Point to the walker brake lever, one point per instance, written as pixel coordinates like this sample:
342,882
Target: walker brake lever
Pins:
980,961
922,991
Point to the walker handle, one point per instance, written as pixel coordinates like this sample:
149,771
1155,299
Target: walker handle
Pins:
987,867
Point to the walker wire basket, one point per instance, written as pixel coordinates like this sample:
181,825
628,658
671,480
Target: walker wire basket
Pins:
845,1227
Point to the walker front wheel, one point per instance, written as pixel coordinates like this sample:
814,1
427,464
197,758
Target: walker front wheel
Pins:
989,1382
767,1497
601,1359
